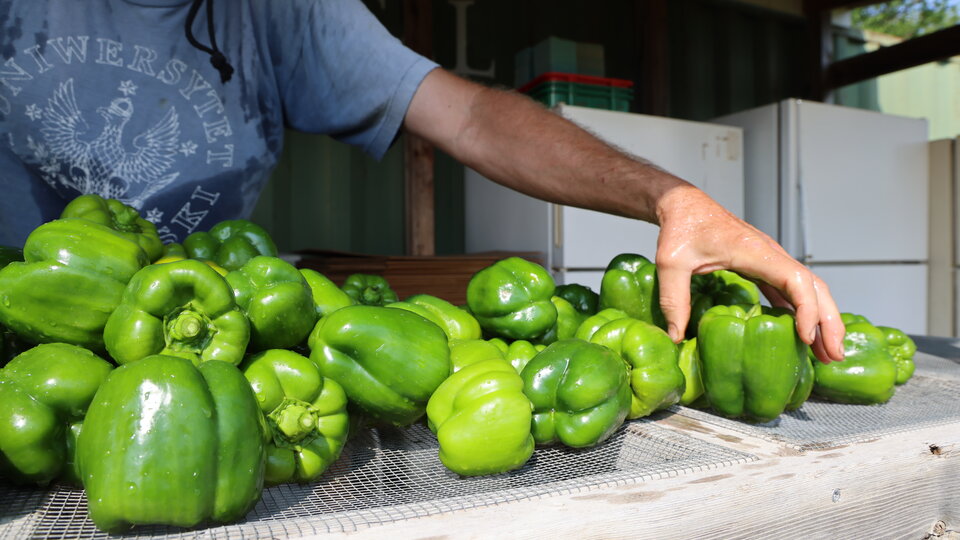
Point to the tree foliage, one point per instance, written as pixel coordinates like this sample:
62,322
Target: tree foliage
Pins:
907,18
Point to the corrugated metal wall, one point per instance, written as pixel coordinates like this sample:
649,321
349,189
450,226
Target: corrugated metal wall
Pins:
724,56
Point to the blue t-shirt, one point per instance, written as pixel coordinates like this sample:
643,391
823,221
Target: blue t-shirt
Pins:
109,97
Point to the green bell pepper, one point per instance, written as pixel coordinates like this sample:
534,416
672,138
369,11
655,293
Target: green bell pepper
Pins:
369,290
122,218
306,415
751,359
174,250
580,393
44,391
276,299
689,363
511,298
655,376
166,442
568,320
388,361
868,373
591,324
74,274
719,288
456,323
520,352
805,384
182,308
230,243
466,352
902,348
851,318
630,284
583,298
327,297
482,419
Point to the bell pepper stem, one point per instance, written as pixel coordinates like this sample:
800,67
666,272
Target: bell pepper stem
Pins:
294,420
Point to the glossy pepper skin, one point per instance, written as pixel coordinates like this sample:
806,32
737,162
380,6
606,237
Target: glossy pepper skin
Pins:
689,362
568,320
455,322
306,415
719,288
511,299
868,373
582,298
369,290
465,352
230,243
580,393
118,216
482,419
174,250
388,361
166,442
902,348
276,299
630,285
656,380
183,308
74,274
327,297
44,391
520,352
752,360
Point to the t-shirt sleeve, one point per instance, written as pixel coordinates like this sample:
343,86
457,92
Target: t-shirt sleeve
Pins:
348,76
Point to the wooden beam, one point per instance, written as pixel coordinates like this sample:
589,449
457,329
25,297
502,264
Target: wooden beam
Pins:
913,52
827,5
418,156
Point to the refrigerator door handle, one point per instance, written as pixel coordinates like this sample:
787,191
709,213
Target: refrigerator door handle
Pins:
557,225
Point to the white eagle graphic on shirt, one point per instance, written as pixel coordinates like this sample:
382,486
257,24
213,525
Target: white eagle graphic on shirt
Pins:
102,164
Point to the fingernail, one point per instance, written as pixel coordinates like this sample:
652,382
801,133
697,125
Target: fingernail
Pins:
812,336
673,332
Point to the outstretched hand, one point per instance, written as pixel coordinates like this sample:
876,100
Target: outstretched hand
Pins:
697,236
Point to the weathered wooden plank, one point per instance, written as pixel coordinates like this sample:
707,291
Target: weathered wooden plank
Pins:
897,486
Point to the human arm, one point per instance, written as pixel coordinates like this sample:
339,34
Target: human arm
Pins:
503,136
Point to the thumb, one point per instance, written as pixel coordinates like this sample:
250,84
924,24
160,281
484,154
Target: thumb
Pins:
674,299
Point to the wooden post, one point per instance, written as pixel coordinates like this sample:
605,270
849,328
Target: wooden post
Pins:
818,48
418,154
654,61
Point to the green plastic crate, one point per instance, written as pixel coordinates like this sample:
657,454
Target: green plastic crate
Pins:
612,98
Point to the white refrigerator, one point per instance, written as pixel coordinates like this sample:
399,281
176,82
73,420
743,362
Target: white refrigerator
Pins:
944,304
577,244
846,192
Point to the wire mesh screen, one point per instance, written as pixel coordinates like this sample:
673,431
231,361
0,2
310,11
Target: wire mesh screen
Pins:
936,367
391,475
929,398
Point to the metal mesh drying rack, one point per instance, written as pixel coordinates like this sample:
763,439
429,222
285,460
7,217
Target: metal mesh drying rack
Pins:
391,475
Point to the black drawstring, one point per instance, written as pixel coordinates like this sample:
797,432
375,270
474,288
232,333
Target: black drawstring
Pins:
217,58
